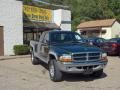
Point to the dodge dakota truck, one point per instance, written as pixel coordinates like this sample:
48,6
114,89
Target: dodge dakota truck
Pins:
64,51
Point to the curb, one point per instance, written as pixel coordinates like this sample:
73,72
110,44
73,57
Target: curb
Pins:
13,57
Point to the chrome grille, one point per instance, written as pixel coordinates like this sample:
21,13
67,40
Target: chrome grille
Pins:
86,56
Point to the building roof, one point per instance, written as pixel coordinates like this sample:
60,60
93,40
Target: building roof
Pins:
41,26
97,23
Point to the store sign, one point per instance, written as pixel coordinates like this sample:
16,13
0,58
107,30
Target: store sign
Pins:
37,14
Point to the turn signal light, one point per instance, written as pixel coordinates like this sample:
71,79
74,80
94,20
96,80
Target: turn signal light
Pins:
65,58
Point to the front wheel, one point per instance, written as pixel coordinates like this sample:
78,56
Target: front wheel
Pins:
54,72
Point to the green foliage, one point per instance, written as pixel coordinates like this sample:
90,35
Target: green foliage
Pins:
85,10
21,49
27,1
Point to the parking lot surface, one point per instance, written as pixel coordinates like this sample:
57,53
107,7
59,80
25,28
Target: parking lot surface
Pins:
20,74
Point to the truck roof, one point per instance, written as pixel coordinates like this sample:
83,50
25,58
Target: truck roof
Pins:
57,31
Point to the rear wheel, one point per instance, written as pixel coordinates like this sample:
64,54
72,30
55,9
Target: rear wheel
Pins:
98,73
54,72
34,60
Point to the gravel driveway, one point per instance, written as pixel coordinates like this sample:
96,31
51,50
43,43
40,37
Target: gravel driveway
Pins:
20,74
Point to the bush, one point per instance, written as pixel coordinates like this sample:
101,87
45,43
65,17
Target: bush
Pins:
21,49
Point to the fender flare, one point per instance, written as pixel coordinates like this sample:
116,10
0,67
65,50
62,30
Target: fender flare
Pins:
54,54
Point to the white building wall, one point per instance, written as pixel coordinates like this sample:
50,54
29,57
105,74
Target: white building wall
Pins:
66,20
63,19
11,19
57,17
115,30
78,31
108,33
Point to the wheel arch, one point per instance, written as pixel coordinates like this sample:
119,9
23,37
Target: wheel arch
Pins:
53,56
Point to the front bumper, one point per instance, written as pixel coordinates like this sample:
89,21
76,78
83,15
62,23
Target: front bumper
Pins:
86,67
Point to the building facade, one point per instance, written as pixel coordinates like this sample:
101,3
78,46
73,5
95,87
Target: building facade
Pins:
107,29
14,30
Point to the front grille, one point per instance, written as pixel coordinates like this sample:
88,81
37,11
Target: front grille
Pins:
87,67
86,56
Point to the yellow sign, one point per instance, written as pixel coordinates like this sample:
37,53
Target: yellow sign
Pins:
37,14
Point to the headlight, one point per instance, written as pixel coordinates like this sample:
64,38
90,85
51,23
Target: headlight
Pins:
65,58
104,56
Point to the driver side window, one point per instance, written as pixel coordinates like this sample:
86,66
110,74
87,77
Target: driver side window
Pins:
46,38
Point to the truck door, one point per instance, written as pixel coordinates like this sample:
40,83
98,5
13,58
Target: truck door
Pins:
44,49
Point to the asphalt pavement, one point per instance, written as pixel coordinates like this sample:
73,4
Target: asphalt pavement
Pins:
19,74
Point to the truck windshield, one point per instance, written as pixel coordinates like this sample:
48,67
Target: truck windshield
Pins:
60,37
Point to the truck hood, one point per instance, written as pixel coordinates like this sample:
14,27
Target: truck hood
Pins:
75,48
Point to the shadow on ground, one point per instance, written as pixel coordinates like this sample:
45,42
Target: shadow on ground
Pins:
81,77
76,77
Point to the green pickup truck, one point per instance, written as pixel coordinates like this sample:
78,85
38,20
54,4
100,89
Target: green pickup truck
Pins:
64,51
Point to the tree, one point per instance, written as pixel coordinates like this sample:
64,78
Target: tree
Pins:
85,10
27,1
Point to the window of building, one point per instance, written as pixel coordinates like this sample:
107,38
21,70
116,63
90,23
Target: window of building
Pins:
103,31
96,31
27,37
83,33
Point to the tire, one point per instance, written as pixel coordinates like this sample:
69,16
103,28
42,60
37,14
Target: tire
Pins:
34,60
54,72
119,54
98,73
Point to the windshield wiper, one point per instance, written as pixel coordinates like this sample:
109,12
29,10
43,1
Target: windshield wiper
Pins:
71,42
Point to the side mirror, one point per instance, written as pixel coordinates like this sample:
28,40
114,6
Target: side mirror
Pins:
46,41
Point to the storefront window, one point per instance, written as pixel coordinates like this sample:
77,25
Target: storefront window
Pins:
27,37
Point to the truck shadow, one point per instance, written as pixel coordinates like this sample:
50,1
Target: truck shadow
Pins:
43,64
81,77
76,77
